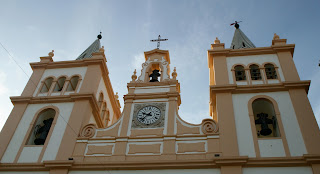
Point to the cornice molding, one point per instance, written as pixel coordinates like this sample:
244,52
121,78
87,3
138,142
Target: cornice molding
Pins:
152,95
58,164
217,162
252,51
164,83
284,86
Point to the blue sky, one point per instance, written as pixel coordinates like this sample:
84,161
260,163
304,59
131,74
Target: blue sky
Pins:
31,29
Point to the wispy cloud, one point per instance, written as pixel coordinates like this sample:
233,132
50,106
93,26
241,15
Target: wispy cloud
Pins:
137,61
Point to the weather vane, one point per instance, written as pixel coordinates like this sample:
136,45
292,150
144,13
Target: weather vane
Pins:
236,25
158,40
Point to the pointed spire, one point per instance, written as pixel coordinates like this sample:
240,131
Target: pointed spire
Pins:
240,40
94,47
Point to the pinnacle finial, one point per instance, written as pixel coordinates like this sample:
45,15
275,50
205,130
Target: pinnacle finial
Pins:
174,74
101,49
99,36
116,96
51,54
217,41
236,24
275,36
134,76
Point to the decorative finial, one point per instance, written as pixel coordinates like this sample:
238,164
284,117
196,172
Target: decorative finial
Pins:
174,74
217,41
275,36
101,49
134,76
116,96
236,24
51,53
99,36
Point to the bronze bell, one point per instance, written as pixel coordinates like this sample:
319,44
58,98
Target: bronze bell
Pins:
43,131
264,121
154,76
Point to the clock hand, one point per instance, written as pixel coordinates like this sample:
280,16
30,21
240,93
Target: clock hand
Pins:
142,118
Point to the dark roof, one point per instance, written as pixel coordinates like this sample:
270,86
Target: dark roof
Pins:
94,47
240,40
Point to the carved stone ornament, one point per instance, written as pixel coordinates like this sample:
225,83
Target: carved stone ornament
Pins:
88,131
157,121
209,126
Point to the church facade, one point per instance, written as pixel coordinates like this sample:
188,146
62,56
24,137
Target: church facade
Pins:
68,118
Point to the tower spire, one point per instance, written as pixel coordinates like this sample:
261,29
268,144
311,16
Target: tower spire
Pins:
240,40
94,47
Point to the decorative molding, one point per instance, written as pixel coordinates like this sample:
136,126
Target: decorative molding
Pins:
209,126
186,163
88,131
284,86
252,51
58,164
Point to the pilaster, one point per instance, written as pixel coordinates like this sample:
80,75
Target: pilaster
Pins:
307,122
10,126
227,127
81,109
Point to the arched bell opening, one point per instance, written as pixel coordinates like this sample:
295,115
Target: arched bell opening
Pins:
41,127
265,118
154,73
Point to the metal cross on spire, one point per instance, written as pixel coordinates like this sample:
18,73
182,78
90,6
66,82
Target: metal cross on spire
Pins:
158,40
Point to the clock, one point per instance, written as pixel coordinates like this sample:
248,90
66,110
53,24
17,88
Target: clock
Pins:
148,115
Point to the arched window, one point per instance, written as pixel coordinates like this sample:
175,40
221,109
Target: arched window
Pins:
239,73
41,127
73,83
255,72
59,84
265,118
104,109
271,72
107,117
100,100
46,85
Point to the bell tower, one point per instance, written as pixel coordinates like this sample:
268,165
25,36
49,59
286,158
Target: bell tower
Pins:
58,100
153,98
260,102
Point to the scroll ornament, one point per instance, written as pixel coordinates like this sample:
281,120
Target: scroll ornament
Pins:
88,131
209,126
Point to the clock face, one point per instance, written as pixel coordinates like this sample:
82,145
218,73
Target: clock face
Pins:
148,115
